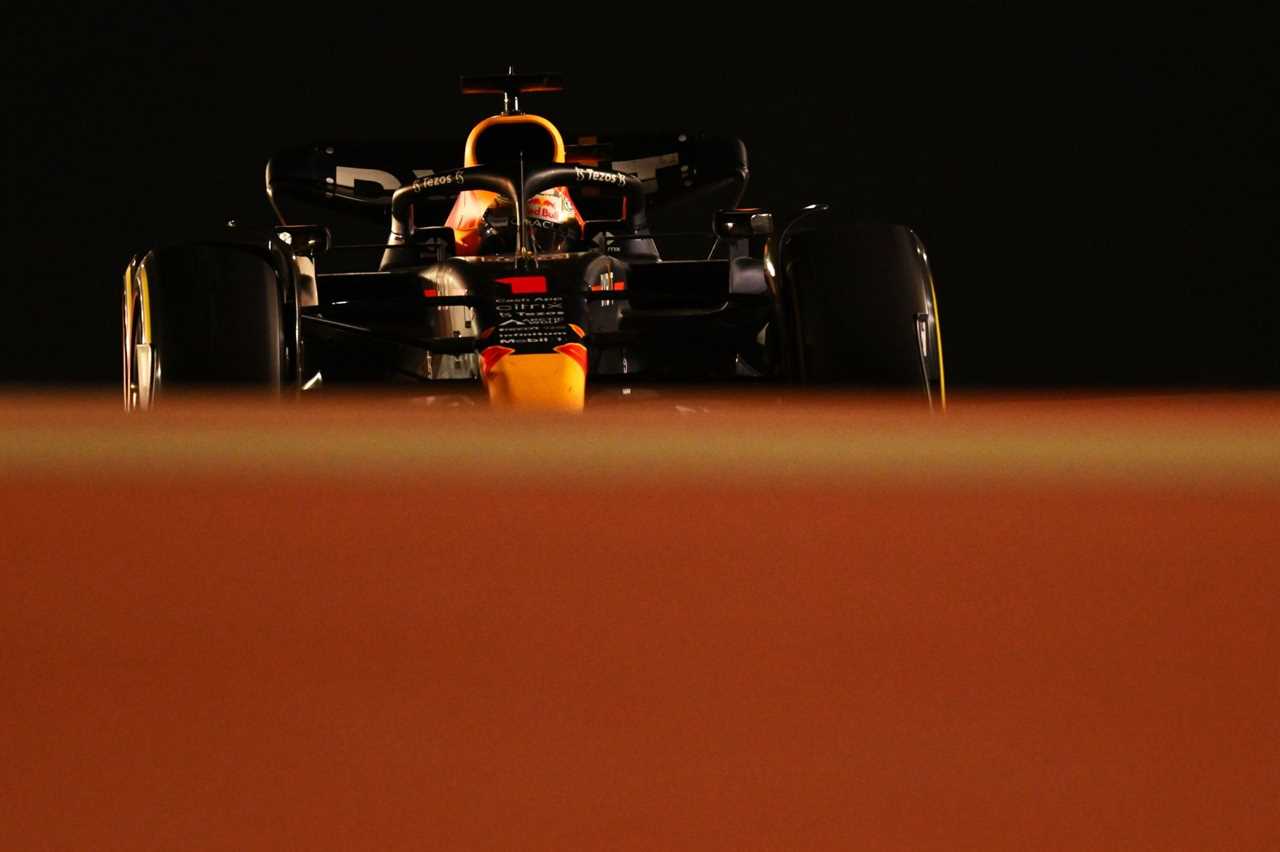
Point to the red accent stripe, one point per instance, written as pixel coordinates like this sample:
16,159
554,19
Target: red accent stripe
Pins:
491,356
430,294
576,351
525,284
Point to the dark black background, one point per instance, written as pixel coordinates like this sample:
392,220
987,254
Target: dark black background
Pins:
1096,213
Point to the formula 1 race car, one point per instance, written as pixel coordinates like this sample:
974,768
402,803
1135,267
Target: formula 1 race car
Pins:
542,270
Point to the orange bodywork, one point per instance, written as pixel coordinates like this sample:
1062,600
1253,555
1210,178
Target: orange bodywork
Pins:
541,381
469,153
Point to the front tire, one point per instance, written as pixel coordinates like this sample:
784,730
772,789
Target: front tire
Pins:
863,311
204,316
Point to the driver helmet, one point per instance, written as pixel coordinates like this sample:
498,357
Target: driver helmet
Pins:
551,218
482,221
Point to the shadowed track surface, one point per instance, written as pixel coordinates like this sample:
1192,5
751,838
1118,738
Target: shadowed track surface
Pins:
670,623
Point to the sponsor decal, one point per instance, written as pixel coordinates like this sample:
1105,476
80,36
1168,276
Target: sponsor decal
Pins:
596,176
533,319
437,181
551,206
533,322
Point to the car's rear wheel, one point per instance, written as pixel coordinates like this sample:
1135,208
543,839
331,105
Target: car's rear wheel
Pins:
863,311
204,316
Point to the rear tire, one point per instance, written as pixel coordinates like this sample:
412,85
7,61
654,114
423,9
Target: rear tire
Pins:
863,310
203,316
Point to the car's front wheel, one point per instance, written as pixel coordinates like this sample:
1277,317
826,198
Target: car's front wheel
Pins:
204,316
862,310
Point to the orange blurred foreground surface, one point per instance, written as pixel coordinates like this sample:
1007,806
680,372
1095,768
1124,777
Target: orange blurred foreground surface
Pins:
810,624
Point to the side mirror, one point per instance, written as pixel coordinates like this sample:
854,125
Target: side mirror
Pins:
305,240
424,246
742,224
435,243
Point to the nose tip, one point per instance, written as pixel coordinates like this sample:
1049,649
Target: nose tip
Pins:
540,381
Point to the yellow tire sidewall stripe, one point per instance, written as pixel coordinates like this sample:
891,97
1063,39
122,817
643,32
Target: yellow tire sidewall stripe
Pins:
937,330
